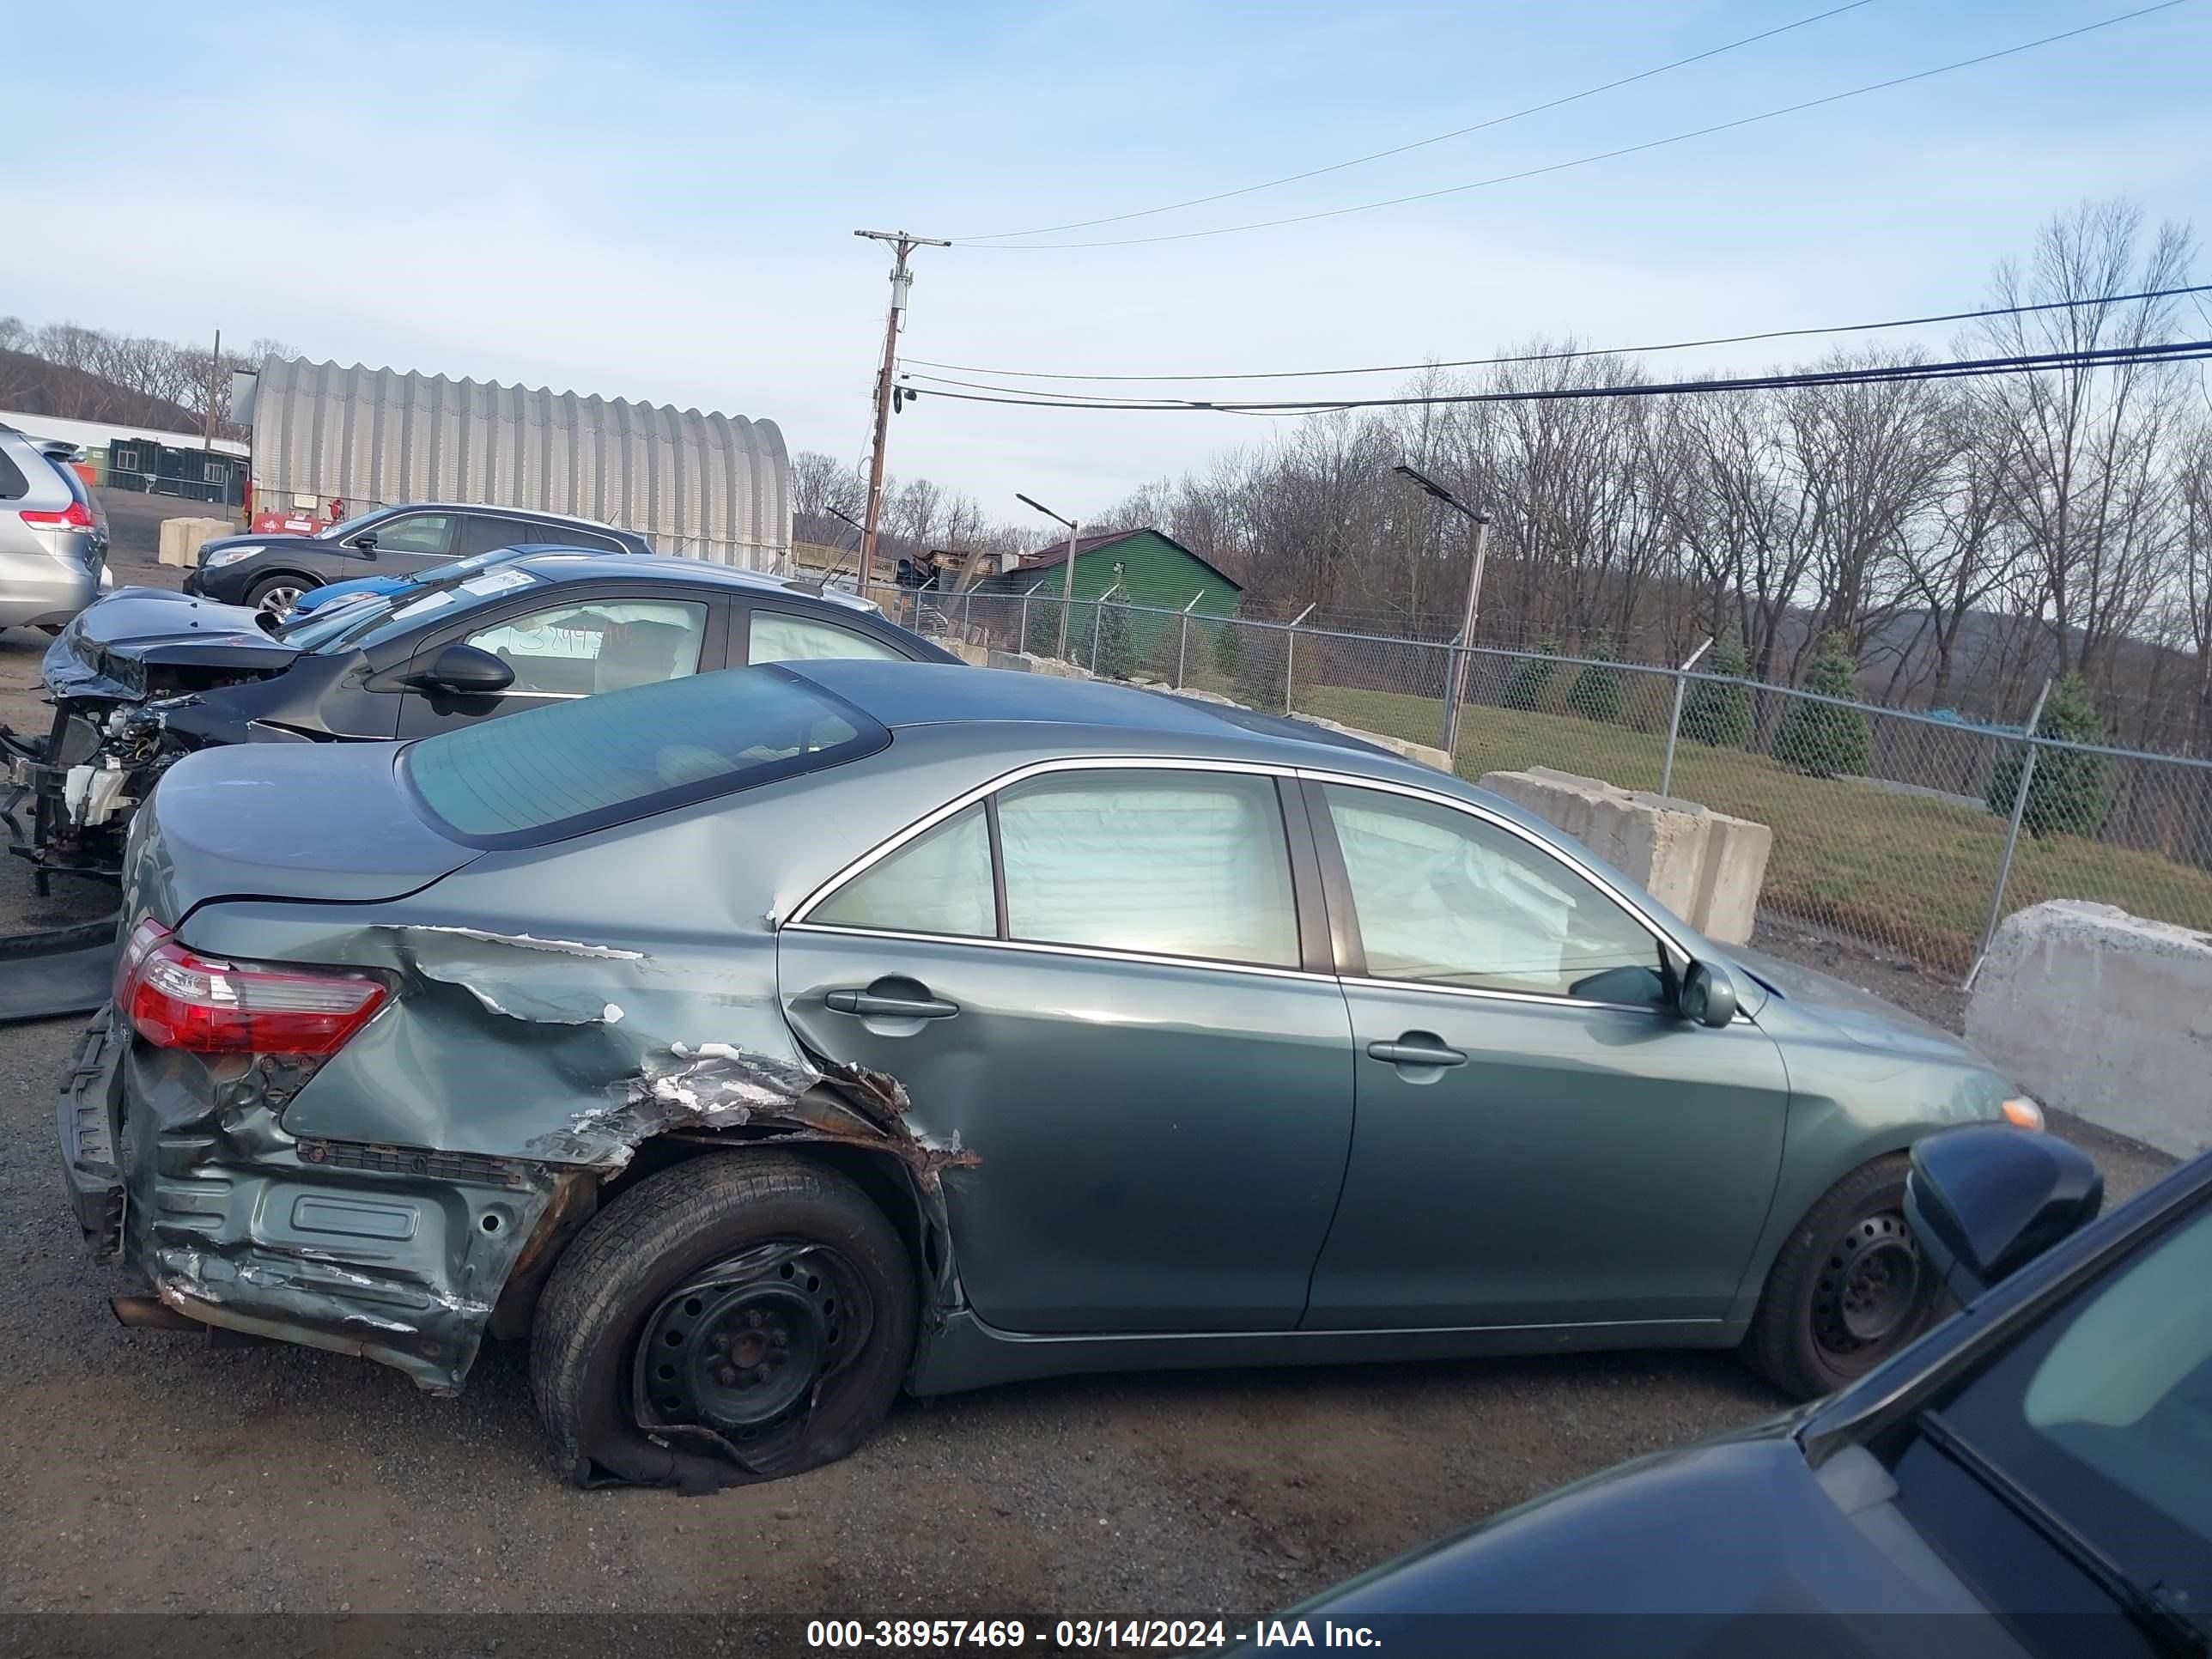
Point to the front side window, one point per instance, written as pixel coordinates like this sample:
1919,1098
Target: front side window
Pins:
1184,864
779,636
937,883
418,532
598,645
1447,898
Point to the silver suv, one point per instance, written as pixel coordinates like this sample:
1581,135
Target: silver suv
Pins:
53,535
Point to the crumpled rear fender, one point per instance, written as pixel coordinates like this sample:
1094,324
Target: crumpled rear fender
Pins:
381,1203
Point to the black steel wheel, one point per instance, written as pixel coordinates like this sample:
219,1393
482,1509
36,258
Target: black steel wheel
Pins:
1847,1290
743,1349
741,1316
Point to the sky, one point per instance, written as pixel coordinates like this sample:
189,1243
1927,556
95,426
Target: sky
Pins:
658,201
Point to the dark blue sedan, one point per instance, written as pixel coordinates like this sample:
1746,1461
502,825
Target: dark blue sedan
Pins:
2033,1477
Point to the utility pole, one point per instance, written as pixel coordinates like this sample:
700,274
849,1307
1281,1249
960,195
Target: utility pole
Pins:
1466,644
215,380
901,245
1067,567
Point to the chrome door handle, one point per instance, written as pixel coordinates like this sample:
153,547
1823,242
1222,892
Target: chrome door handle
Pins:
1415,1054
869,1003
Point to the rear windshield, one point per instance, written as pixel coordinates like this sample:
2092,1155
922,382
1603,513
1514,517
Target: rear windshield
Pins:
580,765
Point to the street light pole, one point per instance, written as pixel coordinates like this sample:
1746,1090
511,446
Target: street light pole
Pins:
901,245
1067,573
1466,642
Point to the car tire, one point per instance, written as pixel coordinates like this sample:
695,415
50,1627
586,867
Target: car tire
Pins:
278,585
707,1262
1848,1288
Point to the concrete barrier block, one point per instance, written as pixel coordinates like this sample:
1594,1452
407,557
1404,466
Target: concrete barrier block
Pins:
182,539
1706,866
2103,1014
1014,662
1422,753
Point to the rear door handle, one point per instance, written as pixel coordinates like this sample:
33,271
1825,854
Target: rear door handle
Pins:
868,1003
1415,1054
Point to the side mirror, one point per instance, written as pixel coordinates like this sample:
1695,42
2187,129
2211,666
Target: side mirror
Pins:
364,542
1708,996
1984,1200
467,670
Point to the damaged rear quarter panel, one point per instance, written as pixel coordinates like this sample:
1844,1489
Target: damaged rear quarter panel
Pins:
521,1057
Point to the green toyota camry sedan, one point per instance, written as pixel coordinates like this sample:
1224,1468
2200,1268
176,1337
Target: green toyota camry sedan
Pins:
756,1044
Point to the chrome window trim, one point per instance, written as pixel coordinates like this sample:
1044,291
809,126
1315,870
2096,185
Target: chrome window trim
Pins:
1542,998
929,821
1095,953
1679,958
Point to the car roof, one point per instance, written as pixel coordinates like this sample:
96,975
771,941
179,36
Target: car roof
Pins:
558,562
539,514
903,694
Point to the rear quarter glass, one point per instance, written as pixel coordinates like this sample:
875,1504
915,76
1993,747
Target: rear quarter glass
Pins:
552,773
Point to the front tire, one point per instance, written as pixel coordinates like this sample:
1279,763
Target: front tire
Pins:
739,1317
278,593
1848,1290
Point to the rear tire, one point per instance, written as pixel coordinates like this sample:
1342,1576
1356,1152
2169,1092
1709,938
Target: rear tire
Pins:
276,594
1848,1288
704,1265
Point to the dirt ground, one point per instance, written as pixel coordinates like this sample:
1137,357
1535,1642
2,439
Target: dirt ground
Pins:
153,1473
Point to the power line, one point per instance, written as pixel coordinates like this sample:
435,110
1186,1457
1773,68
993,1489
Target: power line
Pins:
1421,144
1564,357
1586,161
1969,368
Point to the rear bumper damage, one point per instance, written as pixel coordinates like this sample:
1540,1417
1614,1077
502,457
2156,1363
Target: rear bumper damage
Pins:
182,1166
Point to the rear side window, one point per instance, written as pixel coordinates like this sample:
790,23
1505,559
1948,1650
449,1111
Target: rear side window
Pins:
577,766
13,484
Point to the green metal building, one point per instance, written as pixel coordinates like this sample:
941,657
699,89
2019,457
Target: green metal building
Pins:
1153,570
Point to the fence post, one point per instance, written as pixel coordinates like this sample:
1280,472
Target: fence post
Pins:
1183,640
1451,679
1675,724
1023,644
1290,654
967,616
2012,837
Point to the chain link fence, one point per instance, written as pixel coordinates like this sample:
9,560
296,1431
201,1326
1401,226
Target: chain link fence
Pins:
1910,834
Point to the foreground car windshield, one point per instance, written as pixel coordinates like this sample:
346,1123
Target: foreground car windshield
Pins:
2102,1416
556,772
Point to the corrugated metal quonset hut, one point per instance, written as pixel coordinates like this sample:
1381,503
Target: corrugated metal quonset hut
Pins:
715,487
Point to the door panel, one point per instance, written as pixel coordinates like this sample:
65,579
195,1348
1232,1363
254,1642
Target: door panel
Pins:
1582,1163
1540,1138
1161,1147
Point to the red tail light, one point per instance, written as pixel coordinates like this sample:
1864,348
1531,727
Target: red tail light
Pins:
176,999
74,516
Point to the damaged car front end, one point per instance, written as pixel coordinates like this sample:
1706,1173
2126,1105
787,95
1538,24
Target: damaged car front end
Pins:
126,679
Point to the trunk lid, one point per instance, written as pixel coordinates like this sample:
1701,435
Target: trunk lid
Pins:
316,821
142,642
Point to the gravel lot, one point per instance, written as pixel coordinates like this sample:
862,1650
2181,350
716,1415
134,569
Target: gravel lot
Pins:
152,1472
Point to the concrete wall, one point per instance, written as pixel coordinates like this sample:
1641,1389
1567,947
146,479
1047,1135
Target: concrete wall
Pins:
2104,1015
181,539
1706,866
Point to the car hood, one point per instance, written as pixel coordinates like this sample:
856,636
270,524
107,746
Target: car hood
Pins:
141,643
223,544
1849,1010
1698,1547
